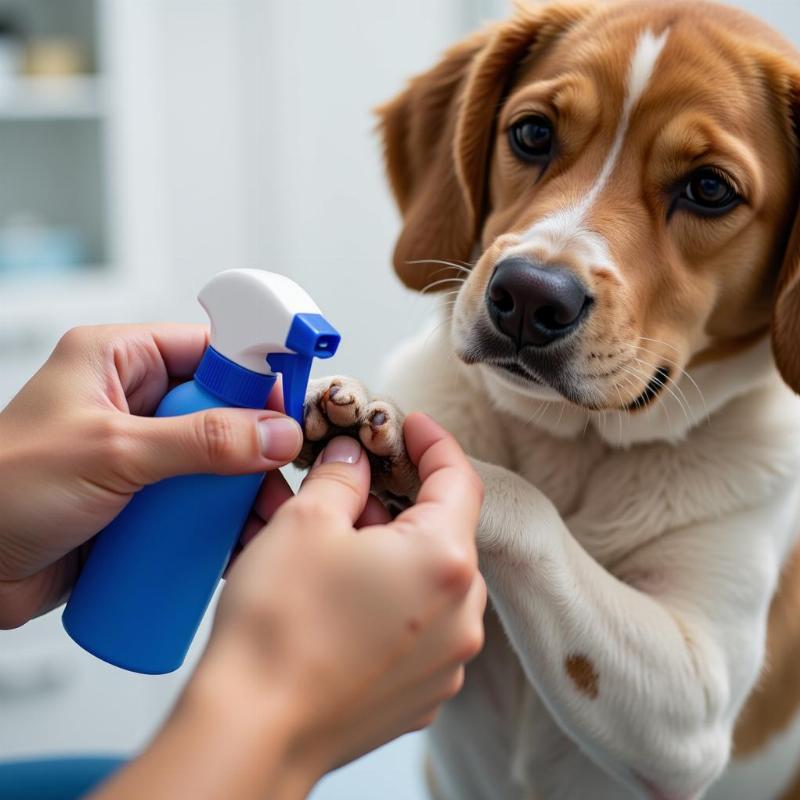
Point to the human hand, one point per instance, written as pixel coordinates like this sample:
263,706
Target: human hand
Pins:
345,637
76,443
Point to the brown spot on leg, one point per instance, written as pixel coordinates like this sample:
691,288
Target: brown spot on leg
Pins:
583,675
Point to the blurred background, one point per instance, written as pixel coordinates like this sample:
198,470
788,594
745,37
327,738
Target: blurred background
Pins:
144,146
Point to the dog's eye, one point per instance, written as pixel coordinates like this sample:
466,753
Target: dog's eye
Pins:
531,138
709,192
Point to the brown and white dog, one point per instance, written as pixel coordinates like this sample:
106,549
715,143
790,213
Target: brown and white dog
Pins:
611,192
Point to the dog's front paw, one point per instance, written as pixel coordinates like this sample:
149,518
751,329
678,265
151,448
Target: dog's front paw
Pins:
338,406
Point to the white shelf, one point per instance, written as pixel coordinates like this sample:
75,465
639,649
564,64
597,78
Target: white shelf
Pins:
85,294
78,97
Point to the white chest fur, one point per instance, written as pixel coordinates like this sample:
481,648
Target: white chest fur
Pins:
614,502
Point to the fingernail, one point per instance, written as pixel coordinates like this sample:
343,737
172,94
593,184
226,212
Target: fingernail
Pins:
342,449
280,438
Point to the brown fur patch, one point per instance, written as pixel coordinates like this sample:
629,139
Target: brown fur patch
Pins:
793,792
583,675
726,348
775,701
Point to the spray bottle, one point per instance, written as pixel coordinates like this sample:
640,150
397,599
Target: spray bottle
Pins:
151,573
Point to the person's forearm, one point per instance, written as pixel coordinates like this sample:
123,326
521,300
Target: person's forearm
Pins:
217,744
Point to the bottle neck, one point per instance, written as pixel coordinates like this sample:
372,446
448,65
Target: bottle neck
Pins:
233,384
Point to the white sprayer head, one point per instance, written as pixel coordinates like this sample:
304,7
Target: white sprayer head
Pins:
251,312
264,323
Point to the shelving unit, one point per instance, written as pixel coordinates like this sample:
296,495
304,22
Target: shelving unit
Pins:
53,199
47,99
81,230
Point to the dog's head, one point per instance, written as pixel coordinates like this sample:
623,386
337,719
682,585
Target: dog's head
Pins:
614,186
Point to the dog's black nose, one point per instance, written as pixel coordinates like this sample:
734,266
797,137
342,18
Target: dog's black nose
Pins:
535,305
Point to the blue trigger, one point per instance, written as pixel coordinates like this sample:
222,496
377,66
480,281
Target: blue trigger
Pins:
310,336
294,375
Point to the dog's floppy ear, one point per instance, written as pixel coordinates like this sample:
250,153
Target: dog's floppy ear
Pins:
786,316
437,136
786,311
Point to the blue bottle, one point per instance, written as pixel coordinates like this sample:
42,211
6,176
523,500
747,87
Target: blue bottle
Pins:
151,573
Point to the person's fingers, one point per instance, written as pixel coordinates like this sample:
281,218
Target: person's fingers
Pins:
420,433
181,346
34,595
275,399
339,480
467,628
251,529
456,632
437,689
451,490
134,365
165,350
481,593
274,492
374,513
225,441
431,447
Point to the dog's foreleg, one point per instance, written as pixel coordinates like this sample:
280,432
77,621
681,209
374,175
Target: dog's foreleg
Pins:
647,682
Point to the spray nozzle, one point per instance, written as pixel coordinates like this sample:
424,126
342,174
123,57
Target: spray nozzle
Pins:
265,323
310,336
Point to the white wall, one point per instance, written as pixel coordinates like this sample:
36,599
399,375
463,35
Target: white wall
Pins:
318,206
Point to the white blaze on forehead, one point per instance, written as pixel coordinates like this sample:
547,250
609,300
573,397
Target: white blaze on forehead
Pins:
566,226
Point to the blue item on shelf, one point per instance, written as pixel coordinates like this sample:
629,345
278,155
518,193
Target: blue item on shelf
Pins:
30,249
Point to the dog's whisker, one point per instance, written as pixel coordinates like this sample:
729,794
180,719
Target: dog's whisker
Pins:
445,264
456,264
619,413
586,421
602,417
660,341
442,282
682,370
560,415
665,384
673,363
447,317
540,413
677,388
642,378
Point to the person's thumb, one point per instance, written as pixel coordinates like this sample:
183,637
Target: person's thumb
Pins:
223,441
339,480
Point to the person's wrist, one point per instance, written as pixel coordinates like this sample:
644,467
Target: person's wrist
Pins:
263,721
